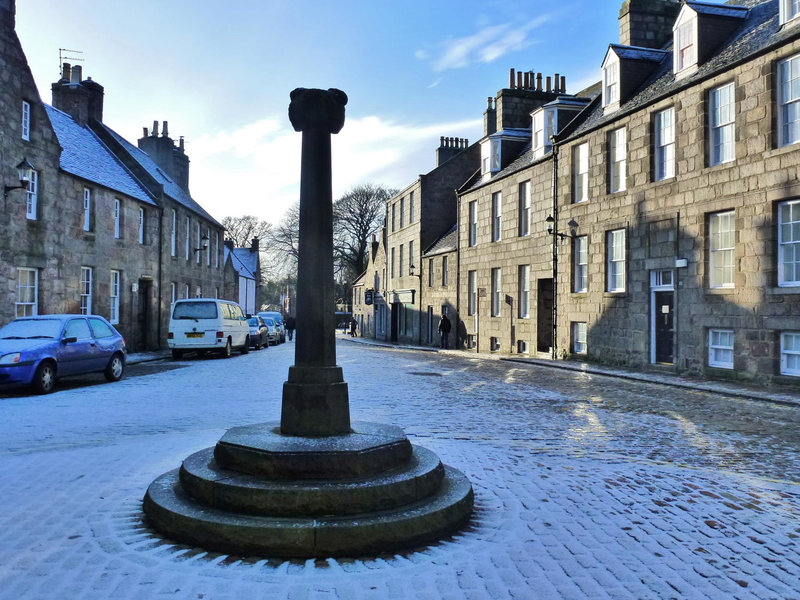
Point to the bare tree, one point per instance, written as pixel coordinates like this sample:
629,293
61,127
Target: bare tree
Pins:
242,230
283,242
356,216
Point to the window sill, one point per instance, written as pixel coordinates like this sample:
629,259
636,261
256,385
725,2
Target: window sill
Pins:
789,290
619,294
781,150
720,291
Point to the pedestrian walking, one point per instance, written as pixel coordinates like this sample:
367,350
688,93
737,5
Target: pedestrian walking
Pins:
353,326
290,324
444,330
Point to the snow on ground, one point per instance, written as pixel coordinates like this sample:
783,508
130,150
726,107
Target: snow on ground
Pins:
586,487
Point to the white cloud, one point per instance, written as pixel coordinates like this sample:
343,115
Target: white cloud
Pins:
487,45
255,169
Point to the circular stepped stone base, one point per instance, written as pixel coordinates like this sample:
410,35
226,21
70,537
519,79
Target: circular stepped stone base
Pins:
222,498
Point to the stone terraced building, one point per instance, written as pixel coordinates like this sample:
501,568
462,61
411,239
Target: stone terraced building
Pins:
653,220
102,226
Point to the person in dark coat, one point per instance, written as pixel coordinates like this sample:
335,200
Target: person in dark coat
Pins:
290,325
444,330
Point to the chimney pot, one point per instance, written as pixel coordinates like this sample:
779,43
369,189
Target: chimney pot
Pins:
511,78
66,71
155,128
548,84
556,81
519,79
538,82
164,130
144,131
77,74
564,84
527,80
180,145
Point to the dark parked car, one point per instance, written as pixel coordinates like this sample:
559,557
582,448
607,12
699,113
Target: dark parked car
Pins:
274,333
259,333
36,351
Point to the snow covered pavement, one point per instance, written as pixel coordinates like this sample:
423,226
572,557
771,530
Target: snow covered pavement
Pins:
586,486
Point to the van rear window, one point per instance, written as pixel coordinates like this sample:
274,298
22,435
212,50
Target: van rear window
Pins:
195,310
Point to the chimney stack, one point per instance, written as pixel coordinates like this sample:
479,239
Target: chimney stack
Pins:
647,23
448,148
166,154
490,118
82,100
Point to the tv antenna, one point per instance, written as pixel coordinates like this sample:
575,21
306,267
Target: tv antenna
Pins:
62,56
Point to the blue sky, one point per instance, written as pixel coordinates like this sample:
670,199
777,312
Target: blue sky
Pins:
221,74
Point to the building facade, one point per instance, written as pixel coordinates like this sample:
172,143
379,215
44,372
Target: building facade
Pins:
100,226
666,235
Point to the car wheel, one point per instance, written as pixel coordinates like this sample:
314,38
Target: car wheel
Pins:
44,380
257,346
246,348
228,349
116,368
177,354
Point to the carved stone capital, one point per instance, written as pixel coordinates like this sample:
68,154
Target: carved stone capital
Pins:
314,109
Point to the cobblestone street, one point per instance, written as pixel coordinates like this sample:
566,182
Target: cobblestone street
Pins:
586,486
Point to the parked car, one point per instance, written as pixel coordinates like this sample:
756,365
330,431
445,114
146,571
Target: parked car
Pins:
274,334
203,324
37,351
259,332
278,318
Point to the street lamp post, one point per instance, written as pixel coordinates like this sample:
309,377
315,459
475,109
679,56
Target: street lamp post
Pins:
552,229
419,313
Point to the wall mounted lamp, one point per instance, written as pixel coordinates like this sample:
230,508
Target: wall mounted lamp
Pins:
572,224
23,169
203,244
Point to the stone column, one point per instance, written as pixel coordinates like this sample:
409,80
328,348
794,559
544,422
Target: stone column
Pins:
315,397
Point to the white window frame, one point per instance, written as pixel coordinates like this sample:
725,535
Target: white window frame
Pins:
87,209
789,10
497,216
617,160
410,207
208,247
391,266
473,223
580,262
173,292
472,292
25,123
445,277
789,100
114,291
790,353
86,290
174,234
720,348
685,43
664,142
32,196
411,262
543,128
216,249
497,284
185,290
721,249
524,291
141,225
199,243
615,261
789,243
580,173
579,337
27,304
117,217
402,212
722,124
431,276
524,209
611,81
401,272
188,239
496,157
394,214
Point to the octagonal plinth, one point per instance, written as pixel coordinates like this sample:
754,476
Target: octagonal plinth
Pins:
262,450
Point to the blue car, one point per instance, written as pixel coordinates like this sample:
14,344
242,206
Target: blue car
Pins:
36,351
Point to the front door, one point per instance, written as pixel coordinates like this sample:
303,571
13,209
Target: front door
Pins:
544,315
396,307
143,315
663,317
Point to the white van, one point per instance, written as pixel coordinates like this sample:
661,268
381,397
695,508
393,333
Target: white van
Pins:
202,324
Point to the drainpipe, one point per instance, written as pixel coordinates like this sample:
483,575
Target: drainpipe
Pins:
458,265
555,247
160,274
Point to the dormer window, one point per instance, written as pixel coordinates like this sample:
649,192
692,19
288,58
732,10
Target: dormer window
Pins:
490,157
789,10
543,130
684,42
611,81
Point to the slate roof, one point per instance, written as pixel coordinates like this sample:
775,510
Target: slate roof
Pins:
244,260
717,10
171,188
637,53
758,32
85,156
447,243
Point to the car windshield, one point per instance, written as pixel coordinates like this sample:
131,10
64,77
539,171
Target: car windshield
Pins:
269,321
195,310
31,329
252,321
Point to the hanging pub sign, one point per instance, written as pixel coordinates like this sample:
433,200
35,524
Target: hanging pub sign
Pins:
368,296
